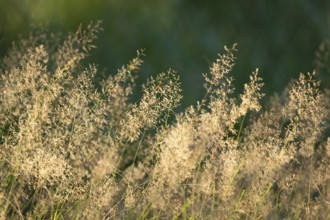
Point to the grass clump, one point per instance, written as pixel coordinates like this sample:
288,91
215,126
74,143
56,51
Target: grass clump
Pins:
71,149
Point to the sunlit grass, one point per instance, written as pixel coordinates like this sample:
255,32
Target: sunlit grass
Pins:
73,149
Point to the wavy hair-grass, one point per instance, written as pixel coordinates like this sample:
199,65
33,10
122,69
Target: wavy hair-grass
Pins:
73,148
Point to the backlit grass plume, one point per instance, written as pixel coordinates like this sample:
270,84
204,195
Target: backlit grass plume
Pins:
73,148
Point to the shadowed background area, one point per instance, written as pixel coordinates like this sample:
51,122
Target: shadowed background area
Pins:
279,37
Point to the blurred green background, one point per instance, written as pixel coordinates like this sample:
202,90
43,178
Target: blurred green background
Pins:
280,37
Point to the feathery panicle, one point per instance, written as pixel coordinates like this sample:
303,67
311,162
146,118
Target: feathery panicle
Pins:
160,96
75,150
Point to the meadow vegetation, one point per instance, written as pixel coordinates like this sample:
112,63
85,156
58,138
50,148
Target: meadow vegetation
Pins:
75,148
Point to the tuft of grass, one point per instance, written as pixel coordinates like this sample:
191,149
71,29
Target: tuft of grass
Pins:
75,148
